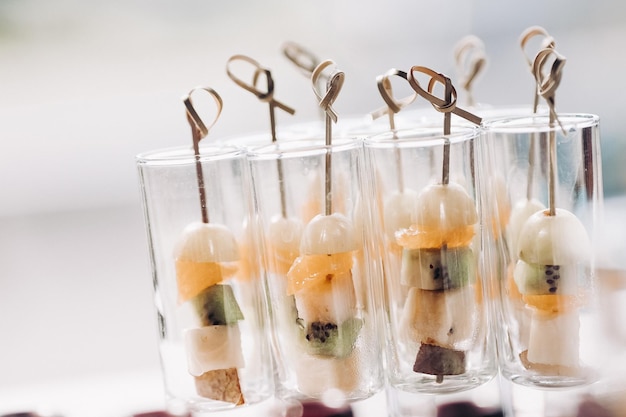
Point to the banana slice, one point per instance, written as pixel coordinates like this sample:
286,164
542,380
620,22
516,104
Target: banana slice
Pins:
207,242
554,339
333,301
327,235
445,318
213,347
553,240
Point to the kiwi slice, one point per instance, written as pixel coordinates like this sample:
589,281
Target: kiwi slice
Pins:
329,339
216,306
438,269
535,279
439,361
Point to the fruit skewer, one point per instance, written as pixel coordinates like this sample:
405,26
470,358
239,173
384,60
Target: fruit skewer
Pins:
206,257
439,269
321,283
438,264
553,249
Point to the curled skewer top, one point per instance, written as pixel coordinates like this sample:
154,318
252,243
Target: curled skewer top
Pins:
301,57
470,58
333,87
446,104
196,122
393,105
199,130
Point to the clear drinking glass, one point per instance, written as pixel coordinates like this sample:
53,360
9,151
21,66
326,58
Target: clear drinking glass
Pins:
547,196
428,215
208,289
314,231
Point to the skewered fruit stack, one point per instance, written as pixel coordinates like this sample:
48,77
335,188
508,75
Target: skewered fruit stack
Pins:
206,257
552,251
439,269
327,321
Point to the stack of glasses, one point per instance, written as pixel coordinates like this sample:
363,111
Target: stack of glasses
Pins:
421,263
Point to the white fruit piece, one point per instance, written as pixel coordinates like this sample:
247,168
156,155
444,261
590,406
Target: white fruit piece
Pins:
521,211
207,242
284,234
213,347
445,207
398,210
553,240
554,339
316,375
445,318
336,304
327,235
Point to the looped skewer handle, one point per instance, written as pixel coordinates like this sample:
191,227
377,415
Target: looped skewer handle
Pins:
470,58
445,105
199,130
265,96
301,57
547,42
531,32
393,105
194,119
547,83
333,87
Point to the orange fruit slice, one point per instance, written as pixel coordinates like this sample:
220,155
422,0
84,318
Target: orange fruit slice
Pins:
420,238
193,277
552,303
311,270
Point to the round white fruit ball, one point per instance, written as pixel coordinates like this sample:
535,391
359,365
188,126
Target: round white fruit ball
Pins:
522,210
327,234
207,242
284,234
553,240
445,207
398,210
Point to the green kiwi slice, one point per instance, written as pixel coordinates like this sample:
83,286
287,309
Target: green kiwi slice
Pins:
217,306
329,339
438,269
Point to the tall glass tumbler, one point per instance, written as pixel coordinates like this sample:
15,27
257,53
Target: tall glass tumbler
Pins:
549,178
208,290
428,209
314,230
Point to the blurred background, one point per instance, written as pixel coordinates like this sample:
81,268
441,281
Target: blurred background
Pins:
86,85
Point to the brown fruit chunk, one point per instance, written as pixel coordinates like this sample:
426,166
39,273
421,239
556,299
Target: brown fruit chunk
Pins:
220,385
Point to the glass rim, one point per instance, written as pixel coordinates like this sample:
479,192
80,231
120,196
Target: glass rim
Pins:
297,148
540,123
423,136
181,155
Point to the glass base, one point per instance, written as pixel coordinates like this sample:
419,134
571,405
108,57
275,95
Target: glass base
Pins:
529,378
428,384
